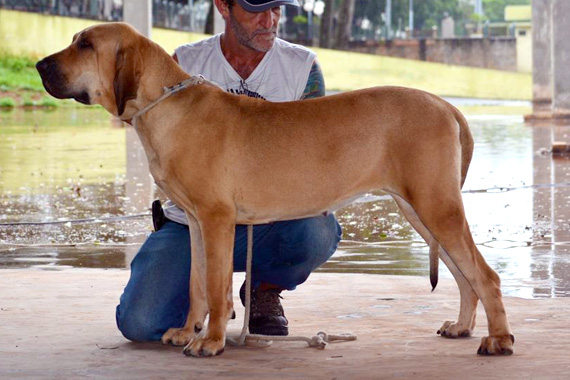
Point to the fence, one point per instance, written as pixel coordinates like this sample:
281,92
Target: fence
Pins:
188,15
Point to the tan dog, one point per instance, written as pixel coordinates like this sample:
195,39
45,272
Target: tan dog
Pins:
230,160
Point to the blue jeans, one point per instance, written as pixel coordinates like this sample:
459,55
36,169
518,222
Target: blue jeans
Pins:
157,294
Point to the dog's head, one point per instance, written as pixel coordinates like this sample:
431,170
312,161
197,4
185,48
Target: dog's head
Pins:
102,66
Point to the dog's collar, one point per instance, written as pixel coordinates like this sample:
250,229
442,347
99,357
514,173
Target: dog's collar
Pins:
168,91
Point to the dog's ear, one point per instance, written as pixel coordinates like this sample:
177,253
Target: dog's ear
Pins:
127,71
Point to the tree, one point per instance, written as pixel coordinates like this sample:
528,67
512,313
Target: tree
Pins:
494,10
344,27
426,13
325,36
209,27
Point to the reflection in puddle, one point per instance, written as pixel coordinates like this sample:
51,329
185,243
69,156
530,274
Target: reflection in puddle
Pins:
75,192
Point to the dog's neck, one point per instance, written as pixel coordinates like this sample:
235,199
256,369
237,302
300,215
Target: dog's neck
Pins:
167,92
154,86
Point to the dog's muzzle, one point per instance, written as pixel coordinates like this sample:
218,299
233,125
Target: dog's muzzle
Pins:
55,82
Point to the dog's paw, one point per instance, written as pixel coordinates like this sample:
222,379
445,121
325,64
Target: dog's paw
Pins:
452,329
497,345
178,336
205,346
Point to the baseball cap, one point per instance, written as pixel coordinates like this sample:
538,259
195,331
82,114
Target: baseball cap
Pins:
263,5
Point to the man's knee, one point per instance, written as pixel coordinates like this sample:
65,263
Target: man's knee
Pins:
135,326
316,238
327,235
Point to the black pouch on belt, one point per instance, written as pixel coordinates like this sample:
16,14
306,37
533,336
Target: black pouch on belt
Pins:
158,218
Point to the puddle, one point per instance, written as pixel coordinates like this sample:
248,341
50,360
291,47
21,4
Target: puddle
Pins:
74,192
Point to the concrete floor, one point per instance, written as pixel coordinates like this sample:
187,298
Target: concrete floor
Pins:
60,325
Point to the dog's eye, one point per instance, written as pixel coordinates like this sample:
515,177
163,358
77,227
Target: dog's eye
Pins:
85,44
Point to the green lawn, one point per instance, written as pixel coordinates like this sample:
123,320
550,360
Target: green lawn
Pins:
346,71
18,73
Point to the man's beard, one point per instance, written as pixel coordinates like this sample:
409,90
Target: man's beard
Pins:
249,40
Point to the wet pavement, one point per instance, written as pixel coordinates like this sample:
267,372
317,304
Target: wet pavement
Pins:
75,193
61,325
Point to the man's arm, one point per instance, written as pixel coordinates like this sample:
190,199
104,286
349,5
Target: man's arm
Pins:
315,84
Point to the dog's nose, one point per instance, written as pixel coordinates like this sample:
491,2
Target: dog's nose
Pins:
42,65
51,77
45,65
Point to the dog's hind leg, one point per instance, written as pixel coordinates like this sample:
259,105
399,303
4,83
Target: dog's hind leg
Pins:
468,309
441,211
198,302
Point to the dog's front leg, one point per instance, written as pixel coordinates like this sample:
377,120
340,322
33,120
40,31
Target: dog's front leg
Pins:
198,302
218,230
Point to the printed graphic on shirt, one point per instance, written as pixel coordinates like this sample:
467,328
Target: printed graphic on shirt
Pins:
243,90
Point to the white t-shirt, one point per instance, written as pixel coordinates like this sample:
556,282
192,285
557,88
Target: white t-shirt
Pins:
281,76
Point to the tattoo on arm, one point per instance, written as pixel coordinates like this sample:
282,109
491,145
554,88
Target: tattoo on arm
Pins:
316,83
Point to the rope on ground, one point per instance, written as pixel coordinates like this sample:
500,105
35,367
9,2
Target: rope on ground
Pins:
319,341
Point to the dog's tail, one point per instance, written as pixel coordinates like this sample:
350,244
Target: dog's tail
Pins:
466,142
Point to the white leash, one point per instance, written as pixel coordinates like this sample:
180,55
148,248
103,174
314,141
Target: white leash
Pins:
167,92
319,341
